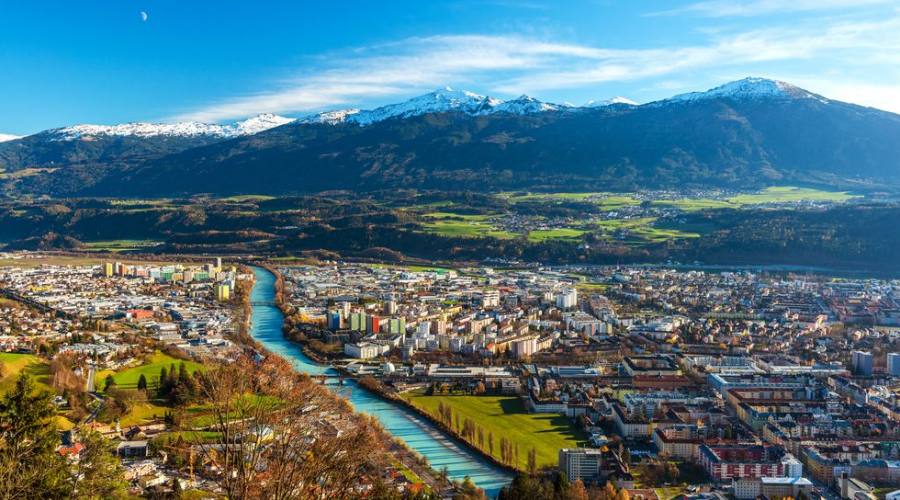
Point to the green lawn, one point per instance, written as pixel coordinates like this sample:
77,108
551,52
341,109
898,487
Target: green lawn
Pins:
696,204
541,235
470,226
142,413
607,201
788,194
505,416
14,364
128,378
641,230
248,197
118,245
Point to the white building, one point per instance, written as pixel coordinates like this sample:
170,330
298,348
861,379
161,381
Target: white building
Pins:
580,463
567,299
363,350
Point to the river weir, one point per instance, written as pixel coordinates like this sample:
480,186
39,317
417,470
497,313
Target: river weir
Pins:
417,432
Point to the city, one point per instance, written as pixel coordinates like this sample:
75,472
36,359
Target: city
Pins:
660,382
450,250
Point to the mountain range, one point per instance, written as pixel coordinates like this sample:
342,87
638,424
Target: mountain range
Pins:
749,133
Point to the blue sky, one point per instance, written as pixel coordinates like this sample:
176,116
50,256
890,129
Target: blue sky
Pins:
101,61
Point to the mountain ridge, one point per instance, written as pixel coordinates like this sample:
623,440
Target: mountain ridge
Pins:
745,134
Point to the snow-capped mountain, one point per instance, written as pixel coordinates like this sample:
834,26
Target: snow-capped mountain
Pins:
609,102
8,137
438,101
749,89
441,100
249,126
330,117
526,104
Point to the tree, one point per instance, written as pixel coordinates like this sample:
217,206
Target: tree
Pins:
142,383
98,473
289,466
163,379
109,382
29,464
532,461
468,491
577,491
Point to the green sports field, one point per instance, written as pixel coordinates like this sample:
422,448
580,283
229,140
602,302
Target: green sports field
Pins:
505,416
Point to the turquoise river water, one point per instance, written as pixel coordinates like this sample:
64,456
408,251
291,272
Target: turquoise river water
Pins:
418,433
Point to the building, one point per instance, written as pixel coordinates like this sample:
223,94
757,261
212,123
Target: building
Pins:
525,346
108,269
362,350
854,489
223,293
893,364
772,487
358,321
373,324
580,463
334,320
725,463
678,441
862,363
567,299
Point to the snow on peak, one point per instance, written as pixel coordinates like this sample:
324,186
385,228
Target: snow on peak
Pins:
9,137
748,89
259,123
249,126
438,101
441,100
330,117
525,104
609,102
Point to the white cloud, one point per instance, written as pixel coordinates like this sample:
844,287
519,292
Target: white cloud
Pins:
513,65
748,8
397,69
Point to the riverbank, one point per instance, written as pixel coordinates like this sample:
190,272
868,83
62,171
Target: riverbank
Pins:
417,432
379,390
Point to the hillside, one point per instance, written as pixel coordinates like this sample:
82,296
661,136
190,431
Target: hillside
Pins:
747,134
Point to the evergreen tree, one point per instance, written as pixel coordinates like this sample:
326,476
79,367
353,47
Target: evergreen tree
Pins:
163,378
30,467
142,383
109,382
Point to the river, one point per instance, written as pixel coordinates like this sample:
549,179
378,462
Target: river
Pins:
418,433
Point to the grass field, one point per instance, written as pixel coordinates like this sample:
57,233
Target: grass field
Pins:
14,364
462,226
119,245
141,413
790,194
68,260
248,197
128,378
696,204
608,201
591,287
505,416
641,230
541,235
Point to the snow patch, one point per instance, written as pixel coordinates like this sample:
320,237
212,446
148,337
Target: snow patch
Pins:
249,126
